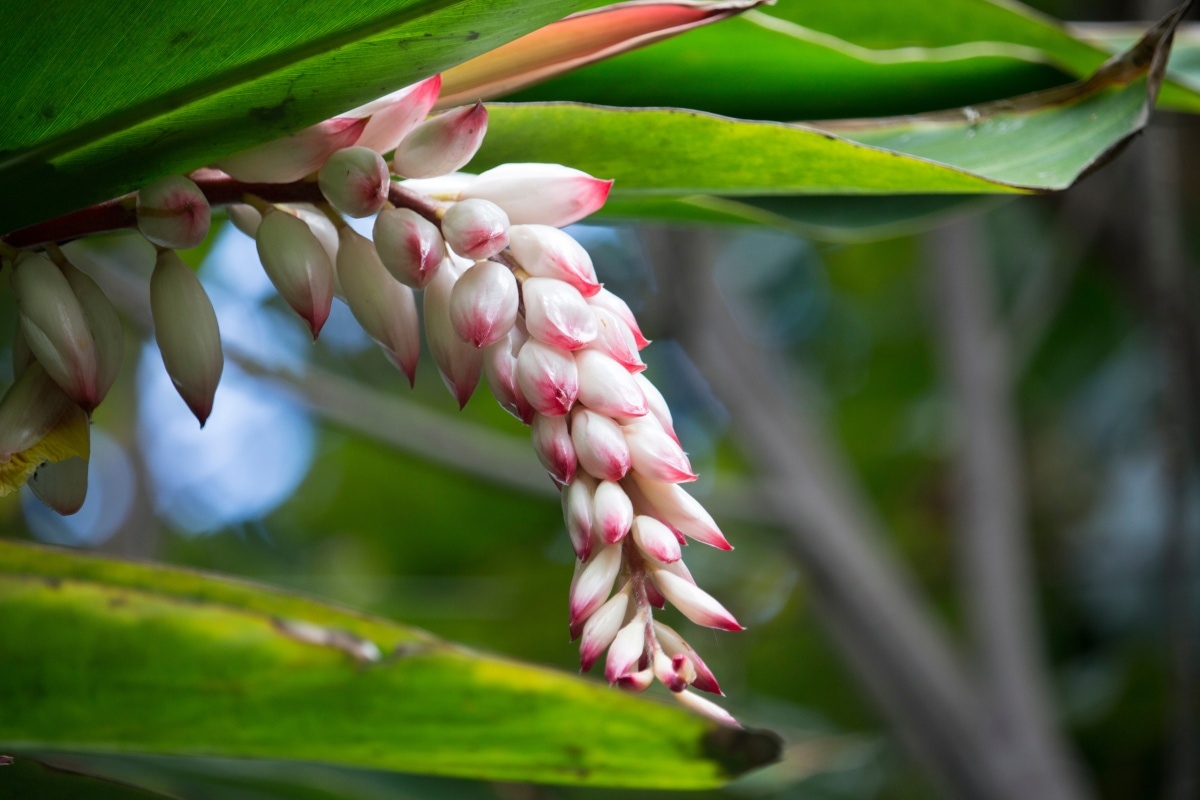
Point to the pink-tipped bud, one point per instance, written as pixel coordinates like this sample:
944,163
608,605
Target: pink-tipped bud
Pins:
556,313
475,228
460,364
56,328
173,212
577,502
386,309
674,645
245,218
294,156
355,181
655,539
607,387
594,583
674,672
443,187
695,603
552,443
626,650
320,225
62,486
637,681
656,455
500,369
185,327
600,445
298,265
616,341
657,405
607,300
612,512
547,252
105,325
443,144
29,410
540,194
409,245
706,708
548,378
601,628
393,116
484,303
681,511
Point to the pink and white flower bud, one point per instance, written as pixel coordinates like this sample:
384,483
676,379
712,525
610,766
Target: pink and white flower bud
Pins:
616,341
475,228
656,455
552,444
173,212
500,369
547,252
294,156
601,628
484,303
626,650
637,681
56,328
185,327
577,501
29,410
556,313
607,300
443,187
393,116
674,672
678,509
62,486
442,144
409,245
385,308
695,603
298,265
673,644
607,387
655,539
657,405
612,512
245,218
540,194
548,378
600,445
460,364
321,226
105,325
705,707
355,181
594,583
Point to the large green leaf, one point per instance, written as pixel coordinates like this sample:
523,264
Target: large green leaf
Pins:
99,98
109,656
802,60
1043,141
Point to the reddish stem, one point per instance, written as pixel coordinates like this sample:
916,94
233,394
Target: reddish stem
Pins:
218,188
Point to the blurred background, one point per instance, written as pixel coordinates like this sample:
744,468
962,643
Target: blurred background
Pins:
970,420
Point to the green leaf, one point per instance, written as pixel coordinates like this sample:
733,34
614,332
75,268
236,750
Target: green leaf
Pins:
800,60
100,98
109,656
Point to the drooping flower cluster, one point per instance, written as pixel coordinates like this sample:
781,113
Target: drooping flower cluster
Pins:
508,297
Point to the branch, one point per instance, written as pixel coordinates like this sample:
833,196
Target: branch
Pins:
996,564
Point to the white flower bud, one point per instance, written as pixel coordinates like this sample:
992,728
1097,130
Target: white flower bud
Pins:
607,387
292,157
298,265
612,512
443,144
63,485
594,583
626,650
548,378
29,410
655,454
602,627
655,539
386,308
484,303
245,218
409,245
546,252
705,707
173,212
355,181
393,116
678,509
460,364
577,500
500,369
552,444
185,327
599,444
695,604
546,194
556,313
475,228
105,325
607,300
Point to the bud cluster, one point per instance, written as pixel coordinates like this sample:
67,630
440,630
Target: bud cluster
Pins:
508,297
